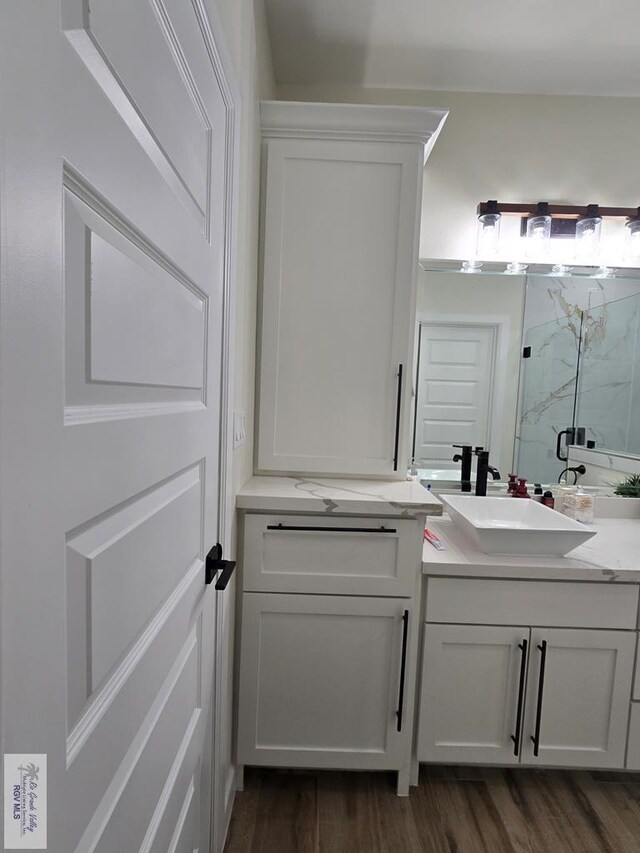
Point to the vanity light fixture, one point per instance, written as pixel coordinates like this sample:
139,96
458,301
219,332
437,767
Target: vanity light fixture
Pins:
633,238
539,232
516,268
545,223
587,242
488,238
604,272
471,266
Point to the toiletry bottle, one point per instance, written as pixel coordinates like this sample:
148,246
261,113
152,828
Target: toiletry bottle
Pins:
548,499
537,492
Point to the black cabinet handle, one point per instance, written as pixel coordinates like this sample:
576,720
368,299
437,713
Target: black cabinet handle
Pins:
543,661
332,529
214,563
398,407
403,666
225,576
523,671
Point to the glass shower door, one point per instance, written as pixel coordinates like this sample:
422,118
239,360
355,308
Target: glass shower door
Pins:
548,383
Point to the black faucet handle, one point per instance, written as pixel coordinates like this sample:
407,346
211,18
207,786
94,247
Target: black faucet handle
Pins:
463,446
478,450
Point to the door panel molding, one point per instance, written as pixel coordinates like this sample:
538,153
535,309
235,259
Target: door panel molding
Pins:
501,324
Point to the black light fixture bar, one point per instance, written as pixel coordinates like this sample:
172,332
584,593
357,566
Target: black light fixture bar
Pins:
561,211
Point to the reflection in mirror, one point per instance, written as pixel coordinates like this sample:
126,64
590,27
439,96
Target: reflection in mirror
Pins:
470,334
581,375
524,366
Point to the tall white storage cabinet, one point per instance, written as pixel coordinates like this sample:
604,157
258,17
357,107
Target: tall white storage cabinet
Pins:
341,216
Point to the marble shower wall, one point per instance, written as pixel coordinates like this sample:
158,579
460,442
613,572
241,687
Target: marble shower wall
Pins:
608,402
601,315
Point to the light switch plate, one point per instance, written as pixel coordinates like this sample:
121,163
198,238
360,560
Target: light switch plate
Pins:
239,429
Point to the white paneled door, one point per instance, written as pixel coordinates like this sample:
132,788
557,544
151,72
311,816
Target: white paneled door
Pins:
118,139
455,390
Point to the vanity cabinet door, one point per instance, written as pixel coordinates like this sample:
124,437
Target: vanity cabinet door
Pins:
320,682
473,679
581,718
338,305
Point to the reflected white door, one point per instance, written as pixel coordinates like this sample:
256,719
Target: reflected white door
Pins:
455,389
114,217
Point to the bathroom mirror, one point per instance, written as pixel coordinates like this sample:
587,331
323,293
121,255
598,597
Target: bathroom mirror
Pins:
524,365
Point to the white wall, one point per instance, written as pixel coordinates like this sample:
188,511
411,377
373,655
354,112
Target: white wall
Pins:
451,293
516,148
247,41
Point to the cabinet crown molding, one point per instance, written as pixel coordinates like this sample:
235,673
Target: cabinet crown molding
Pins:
366,122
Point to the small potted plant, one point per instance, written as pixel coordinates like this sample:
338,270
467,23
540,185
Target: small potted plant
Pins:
629,488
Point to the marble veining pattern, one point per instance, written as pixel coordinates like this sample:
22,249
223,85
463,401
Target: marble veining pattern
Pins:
602,318
612,556
331,496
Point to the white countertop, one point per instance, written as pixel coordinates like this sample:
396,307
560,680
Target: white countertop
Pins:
612,555
358,497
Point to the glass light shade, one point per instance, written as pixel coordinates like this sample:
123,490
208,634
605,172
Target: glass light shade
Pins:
633,241
538,236
488,239
471,266
587,245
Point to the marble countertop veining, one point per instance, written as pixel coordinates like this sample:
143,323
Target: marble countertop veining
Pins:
359,497
613,554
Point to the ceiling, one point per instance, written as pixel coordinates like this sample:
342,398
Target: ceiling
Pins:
577,47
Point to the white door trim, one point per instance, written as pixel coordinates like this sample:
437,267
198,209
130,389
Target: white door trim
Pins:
502,326
223,67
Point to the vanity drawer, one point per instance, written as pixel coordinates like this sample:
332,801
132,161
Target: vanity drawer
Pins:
633,748
339,556
513,602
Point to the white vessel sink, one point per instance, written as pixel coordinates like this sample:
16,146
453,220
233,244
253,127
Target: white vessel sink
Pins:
451,475
515,525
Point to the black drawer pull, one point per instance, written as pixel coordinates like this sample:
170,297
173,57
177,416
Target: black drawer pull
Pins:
398,407
403,666
523,671
332,529
543,661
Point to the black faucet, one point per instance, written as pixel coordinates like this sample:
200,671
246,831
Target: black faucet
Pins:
465,471
482,470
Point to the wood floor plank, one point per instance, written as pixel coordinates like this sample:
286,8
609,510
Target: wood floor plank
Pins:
287,814
620,804
555,816
453,810
397,831
347,813
245,810
458,816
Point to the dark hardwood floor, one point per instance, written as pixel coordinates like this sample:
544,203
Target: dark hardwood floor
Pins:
453,810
